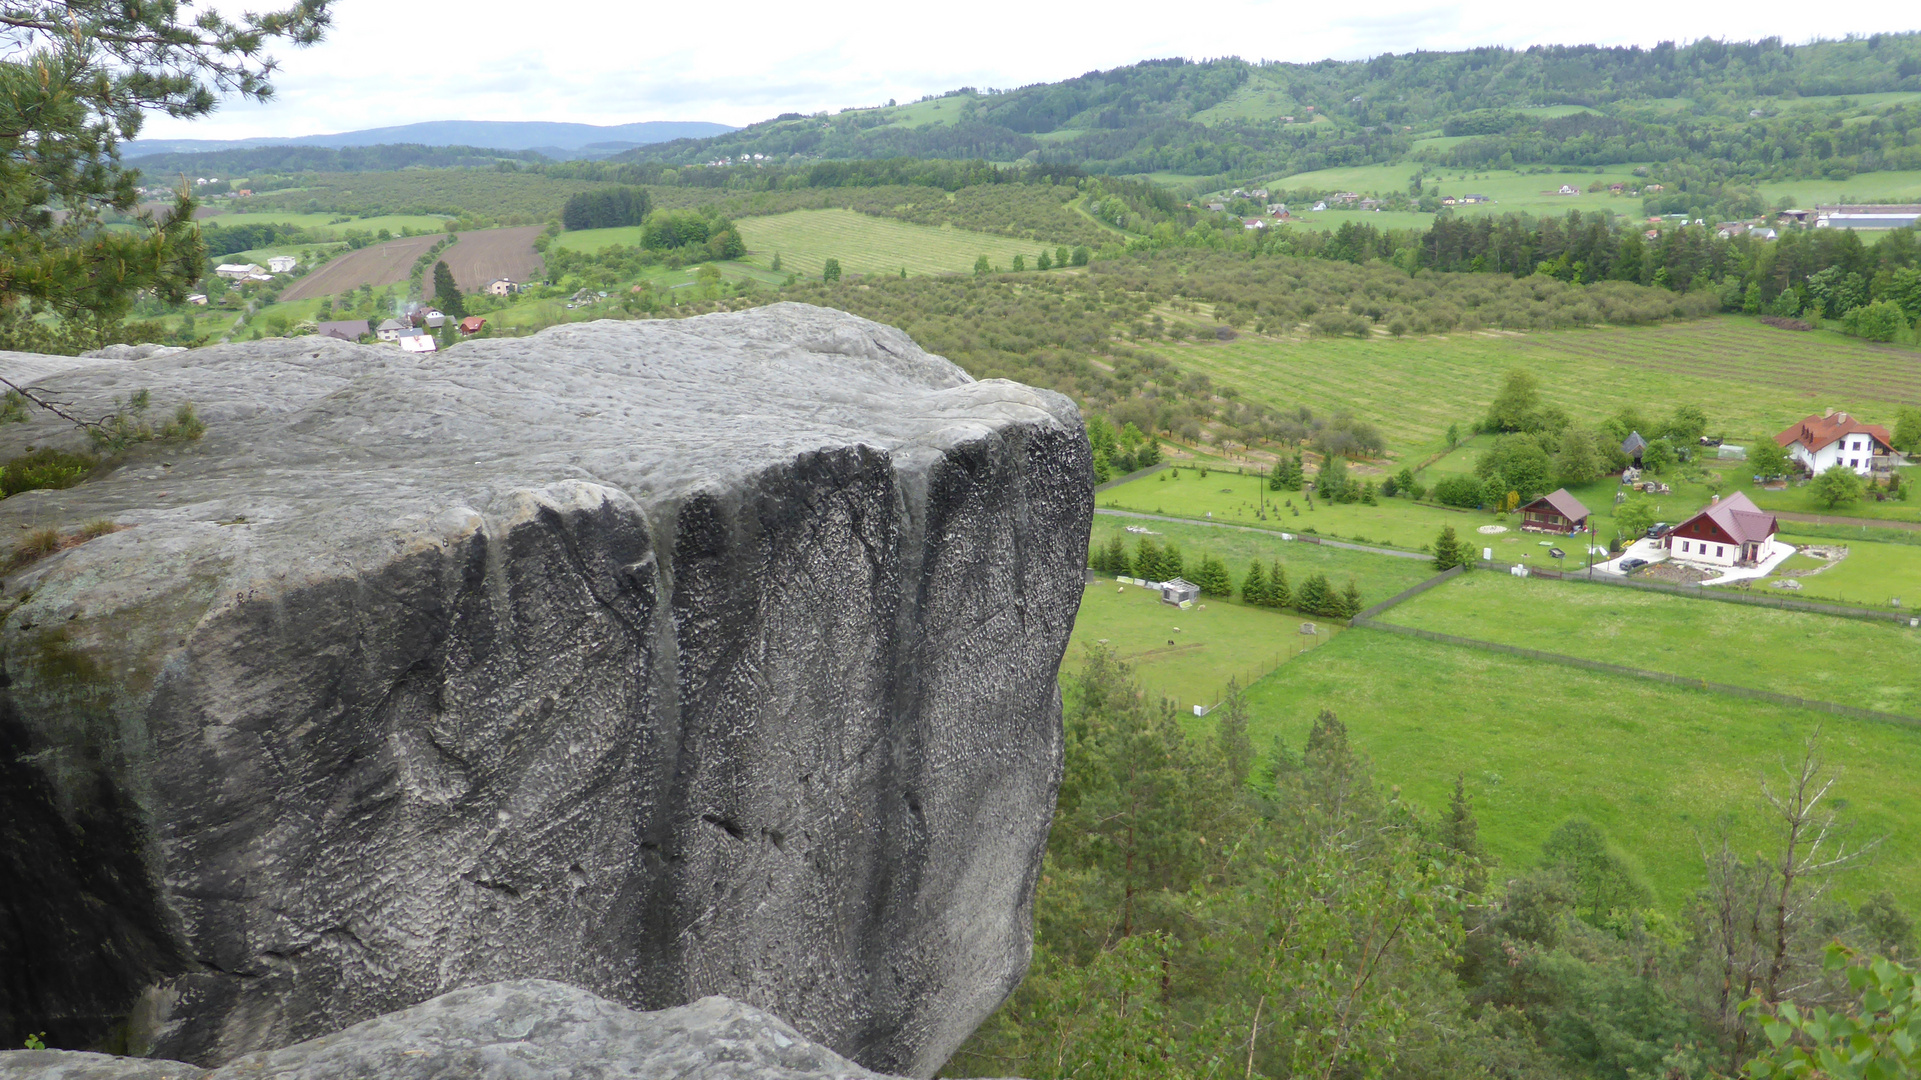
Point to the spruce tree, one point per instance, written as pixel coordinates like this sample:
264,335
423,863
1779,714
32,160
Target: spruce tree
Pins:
1213,578
1147,560
446,293
1116,556
1170,562
1449,552
1279,595
1351,599
1254,586
1315,597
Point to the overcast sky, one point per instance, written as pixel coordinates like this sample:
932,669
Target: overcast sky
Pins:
401,61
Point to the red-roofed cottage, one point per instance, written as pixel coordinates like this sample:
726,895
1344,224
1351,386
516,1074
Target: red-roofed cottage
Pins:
1730,532
1821,442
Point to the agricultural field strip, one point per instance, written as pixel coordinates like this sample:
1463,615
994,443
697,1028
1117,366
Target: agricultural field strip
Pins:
1847,661
380,265
865,244
1271,531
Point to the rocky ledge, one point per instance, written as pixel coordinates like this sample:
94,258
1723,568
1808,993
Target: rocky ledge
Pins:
526,1029
662,659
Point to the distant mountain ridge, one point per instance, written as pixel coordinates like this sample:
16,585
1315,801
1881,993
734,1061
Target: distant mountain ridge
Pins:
552,138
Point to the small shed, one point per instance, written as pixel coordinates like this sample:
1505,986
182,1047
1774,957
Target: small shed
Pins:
472,324
1633,445
1558,512
1179,591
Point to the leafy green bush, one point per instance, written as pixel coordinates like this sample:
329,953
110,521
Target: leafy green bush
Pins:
1879,321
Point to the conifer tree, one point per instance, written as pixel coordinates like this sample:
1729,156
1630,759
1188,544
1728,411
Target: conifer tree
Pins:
1115,557
1315,597
1213,578
1171,567
1147,560
1254,586
1279,595
1351,599
1449,552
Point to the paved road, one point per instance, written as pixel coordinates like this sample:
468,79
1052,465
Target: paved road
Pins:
1275,533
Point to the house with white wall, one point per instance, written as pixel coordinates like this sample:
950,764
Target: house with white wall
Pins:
1728,532
1835,438
282,264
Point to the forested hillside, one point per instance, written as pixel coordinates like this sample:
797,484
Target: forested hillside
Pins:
1576,105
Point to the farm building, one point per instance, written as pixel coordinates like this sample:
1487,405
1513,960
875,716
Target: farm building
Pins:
1729,532
389,330
503,287
1878,216
472,324
344,329
282,264
1822,442
198,299
1633,445
1179,591
239,271
1558,512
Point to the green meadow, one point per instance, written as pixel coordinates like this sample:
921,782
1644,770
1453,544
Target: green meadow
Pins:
1867,664
1663,769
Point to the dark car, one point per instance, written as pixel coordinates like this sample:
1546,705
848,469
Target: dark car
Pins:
1658,530
1628,566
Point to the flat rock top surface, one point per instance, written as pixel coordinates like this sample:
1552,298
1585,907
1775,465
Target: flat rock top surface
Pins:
528,1029
328,439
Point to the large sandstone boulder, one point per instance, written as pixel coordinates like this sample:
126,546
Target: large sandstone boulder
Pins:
526,1029
662,659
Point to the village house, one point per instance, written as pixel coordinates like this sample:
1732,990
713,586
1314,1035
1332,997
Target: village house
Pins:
282,264
1473,199
389,330
472,324
1254,223
416,341
1217,207
1558,512
1447,200
239,271
1568,189
343,329
199,299
1835,438
502,287
1729,532
1616,189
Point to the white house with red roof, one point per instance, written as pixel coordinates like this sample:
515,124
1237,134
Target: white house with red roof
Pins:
1729,532
1822,442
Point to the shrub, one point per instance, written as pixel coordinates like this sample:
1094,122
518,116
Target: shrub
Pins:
45,468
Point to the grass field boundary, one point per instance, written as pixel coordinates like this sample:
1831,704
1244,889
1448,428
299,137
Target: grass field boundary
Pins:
1837,709
1698,592
1135,475
1298,538
1408,593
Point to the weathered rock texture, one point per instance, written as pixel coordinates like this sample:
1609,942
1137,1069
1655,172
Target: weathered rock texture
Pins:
663,659
527,1029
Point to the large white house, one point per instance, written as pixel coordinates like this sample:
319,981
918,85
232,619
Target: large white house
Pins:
1821,442
282,264
1729,532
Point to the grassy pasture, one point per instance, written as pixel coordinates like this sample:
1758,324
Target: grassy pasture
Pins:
865,244
1867,187
1512,192
326,222
1748,377
1872,665
1219,639
1661,768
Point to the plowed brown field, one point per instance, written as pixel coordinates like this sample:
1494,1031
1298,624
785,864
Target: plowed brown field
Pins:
379,265
482,256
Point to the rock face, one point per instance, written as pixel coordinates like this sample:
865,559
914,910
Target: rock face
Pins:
527,1029
662,659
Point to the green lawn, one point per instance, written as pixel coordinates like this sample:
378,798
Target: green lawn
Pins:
1238,500
1512,192
1750,379
1871,575
1871,665
1658,767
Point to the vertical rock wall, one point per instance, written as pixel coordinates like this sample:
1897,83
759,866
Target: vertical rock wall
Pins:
659,659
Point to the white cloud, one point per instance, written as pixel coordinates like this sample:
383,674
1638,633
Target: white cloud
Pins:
401,61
